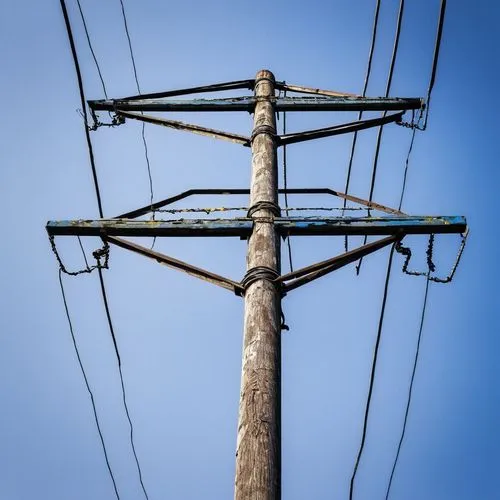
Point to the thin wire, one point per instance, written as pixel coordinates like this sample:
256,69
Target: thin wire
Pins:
83,253
75,345
92,49
410,390
112,331
437,46
360,114
146,154
285,186
387,91
98,195
373,371
407,162
83,103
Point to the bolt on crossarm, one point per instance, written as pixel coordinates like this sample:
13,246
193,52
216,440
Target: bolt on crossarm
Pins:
258,456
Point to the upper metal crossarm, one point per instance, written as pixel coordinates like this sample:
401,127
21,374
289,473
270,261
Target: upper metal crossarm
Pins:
232,191
339,103
242,227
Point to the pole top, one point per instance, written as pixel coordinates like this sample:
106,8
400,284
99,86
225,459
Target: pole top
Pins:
264,74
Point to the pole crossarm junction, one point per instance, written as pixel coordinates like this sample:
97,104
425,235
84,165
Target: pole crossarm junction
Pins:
242,227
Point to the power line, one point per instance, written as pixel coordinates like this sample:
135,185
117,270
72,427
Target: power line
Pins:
92,49
101,279
96,419
111,329
410,390
424,306
437,46
373,372
146,153
360,114
83,103
387,91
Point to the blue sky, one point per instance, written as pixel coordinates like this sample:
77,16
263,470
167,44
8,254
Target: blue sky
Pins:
180,338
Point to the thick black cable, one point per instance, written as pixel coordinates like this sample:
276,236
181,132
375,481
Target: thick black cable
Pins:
373,371
437,46
92,49
132,57
360,114
387,91
75,345
410,390
84,104
113,336
98,195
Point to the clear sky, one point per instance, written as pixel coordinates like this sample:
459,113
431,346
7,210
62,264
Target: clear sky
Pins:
180,338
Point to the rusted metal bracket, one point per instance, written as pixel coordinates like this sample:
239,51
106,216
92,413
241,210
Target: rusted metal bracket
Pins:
310,90
196,129
310,273
180,265
232,191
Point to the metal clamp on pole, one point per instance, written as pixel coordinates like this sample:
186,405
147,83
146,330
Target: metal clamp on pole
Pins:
260,273
264,129
265,205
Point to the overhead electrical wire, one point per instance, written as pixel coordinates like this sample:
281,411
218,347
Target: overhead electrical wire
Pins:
101,278
372,374
83,103
410,390
143,133
131,426
360,114
87,385
387,91
435,58
92,48
428,279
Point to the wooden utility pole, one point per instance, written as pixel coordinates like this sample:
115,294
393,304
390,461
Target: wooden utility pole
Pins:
258,455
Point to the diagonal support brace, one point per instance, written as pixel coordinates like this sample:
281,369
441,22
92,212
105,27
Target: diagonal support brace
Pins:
345,128
195,129
315,271
180,265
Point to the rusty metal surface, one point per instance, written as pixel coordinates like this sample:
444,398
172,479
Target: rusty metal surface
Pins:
242,227
231,191
220,104
310,273
310,90
203,274
216,87
196,129
370,226
344,128
247,103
